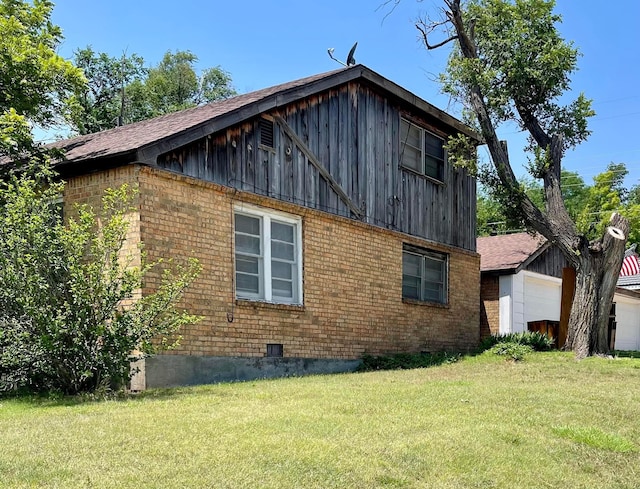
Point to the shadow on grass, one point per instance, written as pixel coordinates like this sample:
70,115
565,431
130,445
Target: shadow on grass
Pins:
56,399
404,361
626,354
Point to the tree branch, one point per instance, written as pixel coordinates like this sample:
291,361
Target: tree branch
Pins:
427,28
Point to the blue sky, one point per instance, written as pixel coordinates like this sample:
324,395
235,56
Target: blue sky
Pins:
262,43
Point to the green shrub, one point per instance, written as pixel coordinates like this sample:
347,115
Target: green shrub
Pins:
402,361
68,318
514,351
537,341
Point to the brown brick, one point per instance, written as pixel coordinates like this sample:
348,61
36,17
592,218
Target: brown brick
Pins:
352,276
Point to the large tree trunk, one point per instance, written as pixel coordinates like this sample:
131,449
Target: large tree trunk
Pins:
596,278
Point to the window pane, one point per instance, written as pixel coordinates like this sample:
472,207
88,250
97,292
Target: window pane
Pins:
284,251
434,270
434,293
282,288
247,225
247,284
409,288
282,232
247,264
411,264
247,244
434,146
281,270
410,134
411,158
433,168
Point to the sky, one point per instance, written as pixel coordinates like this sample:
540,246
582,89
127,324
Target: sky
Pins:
266,42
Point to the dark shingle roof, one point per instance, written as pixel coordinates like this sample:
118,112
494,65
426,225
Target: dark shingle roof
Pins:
139,134
508,252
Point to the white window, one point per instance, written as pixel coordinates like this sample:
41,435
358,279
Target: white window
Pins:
268,255
421,151
424,275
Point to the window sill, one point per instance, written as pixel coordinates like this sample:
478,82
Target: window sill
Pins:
422,175
416,302
258,304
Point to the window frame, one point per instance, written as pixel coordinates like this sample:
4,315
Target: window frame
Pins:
265,259
442,162
426,254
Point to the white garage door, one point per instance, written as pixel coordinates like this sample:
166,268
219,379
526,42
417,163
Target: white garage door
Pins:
542,298
627,324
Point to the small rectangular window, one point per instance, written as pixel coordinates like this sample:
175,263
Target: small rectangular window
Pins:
275,350
268,256
424,275
421,151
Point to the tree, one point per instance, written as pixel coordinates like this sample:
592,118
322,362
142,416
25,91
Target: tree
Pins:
68,318
63,288
103,103
35,83
492,217
511,64
121,90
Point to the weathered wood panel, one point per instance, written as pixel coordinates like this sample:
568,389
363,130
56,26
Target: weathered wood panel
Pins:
354,134
550,262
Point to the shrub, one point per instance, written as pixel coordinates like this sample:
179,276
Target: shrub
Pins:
536,340
401,361
69,321
514,351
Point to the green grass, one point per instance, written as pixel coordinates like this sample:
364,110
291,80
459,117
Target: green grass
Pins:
481,422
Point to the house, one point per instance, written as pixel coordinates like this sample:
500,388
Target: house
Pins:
324,212
521,289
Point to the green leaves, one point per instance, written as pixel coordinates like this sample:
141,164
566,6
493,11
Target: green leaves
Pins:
121,90
523,67
35,81
68,293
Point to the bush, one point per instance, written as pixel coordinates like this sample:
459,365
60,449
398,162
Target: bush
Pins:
515,351
536,340
401,361
68,320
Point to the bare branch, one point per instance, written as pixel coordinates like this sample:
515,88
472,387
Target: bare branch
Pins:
427,28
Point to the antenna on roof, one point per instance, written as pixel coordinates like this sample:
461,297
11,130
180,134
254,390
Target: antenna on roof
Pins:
350,59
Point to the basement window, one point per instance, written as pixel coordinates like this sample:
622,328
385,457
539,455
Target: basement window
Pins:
268,255
424,275
275,350
421,151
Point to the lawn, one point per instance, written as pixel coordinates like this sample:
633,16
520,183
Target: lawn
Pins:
482,422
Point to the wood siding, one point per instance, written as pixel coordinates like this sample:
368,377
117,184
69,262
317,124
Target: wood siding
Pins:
354,133
550,262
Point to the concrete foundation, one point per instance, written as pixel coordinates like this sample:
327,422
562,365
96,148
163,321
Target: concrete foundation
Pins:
180,370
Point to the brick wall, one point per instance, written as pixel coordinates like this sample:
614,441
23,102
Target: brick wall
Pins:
352,276
490,305
352,280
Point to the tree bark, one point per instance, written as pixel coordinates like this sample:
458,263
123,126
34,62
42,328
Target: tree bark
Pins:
596,279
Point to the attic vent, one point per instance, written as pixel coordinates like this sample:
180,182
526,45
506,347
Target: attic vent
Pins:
266,132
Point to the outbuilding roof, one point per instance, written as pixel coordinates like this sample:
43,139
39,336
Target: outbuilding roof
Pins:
509,252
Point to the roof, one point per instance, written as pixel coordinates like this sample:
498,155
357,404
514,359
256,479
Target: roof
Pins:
144,141
508,253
